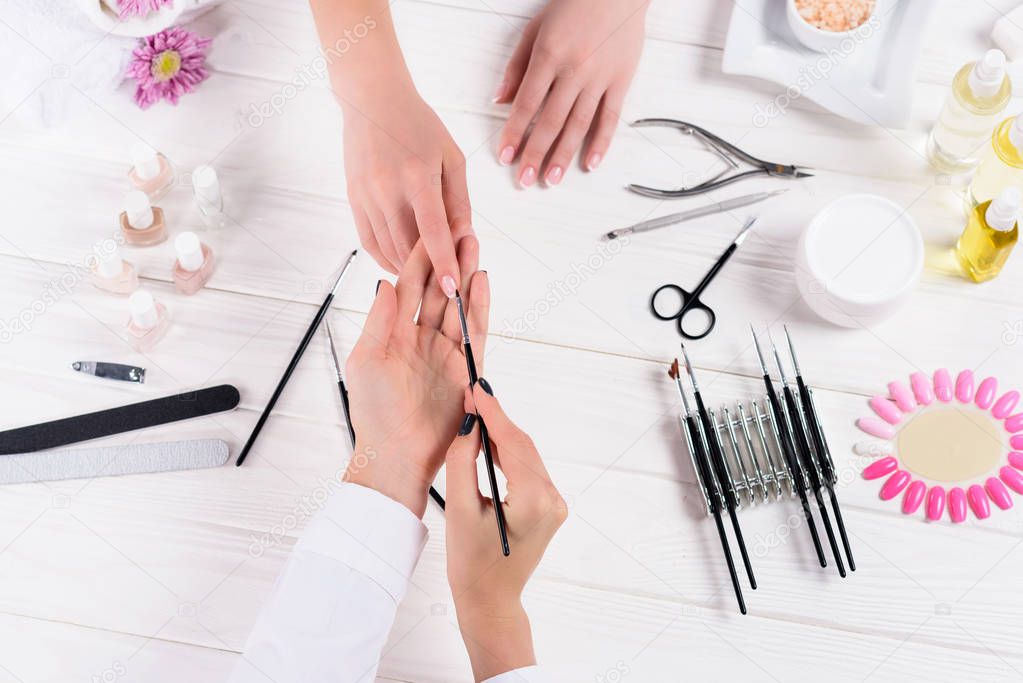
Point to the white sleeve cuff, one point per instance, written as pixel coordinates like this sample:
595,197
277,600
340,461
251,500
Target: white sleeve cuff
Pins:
370,533
528,674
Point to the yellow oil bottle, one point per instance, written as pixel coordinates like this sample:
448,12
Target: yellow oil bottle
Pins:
1001,168
989,236
980,92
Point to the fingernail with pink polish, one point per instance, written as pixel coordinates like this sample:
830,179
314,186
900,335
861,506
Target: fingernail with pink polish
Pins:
895,484
914,496
874,427
593,162
978,501
501,88
507,155
935,503
999,494
1014,423
921,384
957,504
943,385
964,386
986,393
1016,460
1011,478
447,283
876,470
553,176
1016,442
886,410
902,396
1005,405
527,177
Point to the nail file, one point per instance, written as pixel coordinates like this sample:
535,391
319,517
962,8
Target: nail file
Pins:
127,418
110,461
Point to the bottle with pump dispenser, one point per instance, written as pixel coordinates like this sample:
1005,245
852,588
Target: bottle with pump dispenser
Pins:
151,172
113,274
148,322
980,92
195,263
141,223
1001,168
990,234
208,197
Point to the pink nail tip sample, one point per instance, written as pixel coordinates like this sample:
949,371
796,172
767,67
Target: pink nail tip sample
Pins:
1011,478
1006,404
921,385
886,410
895,484
964,386
1016,442
935,503
957,504
914,496
875,427
902,396
876,470
1014,423
999,494
943,385
986,393
978,501
1016,460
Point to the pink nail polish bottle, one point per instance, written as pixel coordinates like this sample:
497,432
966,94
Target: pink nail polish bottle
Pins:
141,223
194,265
113,274
208,197
148,322
150,172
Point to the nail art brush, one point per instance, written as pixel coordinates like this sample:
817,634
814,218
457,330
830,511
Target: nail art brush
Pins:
717,460
823,452
711,493
795,470
346,406
295,359
802,444
682,216
488,457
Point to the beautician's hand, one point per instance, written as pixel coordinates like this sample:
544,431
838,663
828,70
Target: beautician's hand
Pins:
487,587
407,377
406,181
570,72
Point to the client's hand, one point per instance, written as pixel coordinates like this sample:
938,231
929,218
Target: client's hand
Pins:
407,376
487,586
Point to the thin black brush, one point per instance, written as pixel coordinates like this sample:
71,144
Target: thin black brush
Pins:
717,459
294,360
803,447
823,452
488,457
695,441
795,471
346,405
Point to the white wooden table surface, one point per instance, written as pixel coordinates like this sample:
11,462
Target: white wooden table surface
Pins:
159,577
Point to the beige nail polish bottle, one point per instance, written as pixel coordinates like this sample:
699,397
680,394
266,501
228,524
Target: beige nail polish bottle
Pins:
148,322
141,223
194,265
113,274
150,172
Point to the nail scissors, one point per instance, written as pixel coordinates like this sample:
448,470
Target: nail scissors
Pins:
727,152
690,301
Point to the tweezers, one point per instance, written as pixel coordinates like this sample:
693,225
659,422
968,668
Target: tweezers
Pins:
728,153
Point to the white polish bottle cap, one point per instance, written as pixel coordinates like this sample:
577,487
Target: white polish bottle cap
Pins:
110,264
189,249
987,75
206,184
1003,212
143,310
145,161
138,210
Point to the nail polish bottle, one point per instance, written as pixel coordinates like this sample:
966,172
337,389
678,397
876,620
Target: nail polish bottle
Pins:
148,322
194,265
151,172
208,197
141,223
115,275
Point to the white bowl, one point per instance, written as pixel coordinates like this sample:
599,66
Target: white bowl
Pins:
859,259
825,41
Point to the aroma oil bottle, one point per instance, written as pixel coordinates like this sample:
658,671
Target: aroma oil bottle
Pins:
989,236
1002,167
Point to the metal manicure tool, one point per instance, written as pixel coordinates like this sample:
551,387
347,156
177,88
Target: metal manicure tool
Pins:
682,216
124,373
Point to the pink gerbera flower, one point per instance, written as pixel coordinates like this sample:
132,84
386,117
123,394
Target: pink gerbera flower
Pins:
168,65
140,8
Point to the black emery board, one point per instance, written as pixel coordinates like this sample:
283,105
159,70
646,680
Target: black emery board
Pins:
127,418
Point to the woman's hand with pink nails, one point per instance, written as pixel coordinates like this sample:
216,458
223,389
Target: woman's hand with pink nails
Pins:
407,377
487,586
568,78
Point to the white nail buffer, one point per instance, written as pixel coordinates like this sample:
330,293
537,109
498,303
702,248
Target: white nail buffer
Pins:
109,461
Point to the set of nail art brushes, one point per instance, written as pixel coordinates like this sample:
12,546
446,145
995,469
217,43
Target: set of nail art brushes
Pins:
790,452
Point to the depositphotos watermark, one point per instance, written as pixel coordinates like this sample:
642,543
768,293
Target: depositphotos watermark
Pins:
307,74
814,73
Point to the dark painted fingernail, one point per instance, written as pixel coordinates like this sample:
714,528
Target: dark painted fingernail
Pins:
377,290
467,424
485,386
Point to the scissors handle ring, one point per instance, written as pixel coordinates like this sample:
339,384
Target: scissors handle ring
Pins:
689,303
683,295
696,306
